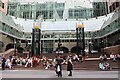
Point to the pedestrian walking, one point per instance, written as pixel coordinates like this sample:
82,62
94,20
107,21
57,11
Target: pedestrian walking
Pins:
58,66
69,66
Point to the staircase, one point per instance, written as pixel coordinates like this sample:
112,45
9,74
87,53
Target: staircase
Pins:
89,64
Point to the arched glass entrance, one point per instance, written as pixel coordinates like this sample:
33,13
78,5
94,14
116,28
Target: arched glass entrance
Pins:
75,49
64,49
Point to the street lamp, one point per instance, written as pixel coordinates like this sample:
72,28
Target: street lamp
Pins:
36,35
90,46
80,37
15,48
102,46
59,45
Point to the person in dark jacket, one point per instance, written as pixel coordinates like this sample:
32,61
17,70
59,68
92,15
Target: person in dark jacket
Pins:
69,66
3,63
59,66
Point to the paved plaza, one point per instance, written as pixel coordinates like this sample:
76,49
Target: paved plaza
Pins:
79,73
51,74
38,37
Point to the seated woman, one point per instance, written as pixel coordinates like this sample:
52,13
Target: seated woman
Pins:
104,66
44,60
29,62
9,63
113,57
105,57
101,58
118,56
48,64
101,66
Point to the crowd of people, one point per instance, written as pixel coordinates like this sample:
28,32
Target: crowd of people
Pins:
114,57
104,65
11,61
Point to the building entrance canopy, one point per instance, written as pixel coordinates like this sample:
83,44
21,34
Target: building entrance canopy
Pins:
91,24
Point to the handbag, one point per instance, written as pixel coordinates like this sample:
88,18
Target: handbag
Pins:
58,68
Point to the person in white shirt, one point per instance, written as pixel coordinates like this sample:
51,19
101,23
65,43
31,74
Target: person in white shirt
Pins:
113,57
29,62
8,63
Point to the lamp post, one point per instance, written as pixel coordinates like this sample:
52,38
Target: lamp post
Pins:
90,46
77,40
36,35
36,40
102,46
80,37
59,45
15,48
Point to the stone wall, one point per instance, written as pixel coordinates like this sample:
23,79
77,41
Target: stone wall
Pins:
112,49
114,37
6,40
